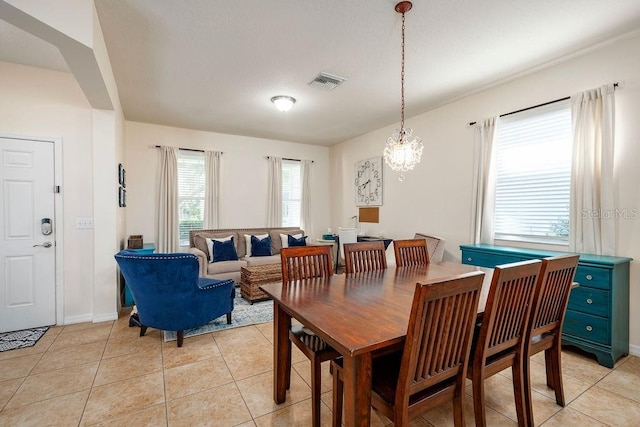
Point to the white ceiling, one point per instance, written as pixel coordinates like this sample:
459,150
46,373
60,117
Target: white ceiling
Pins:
214,65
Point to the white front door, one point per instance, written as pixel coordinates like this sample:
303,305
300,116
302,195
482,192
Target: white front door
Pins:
27,234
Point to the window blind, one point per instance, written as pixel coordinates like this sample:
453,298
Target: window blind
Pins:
191,182
533,175
291,193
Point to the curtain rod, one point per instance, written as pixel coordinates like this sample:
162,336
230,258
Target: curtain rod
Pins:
291,160
186,149
615,85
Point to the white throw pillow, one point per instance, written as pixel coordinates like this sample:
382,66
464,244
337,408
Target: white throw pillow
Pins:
247,240
210,244
284,238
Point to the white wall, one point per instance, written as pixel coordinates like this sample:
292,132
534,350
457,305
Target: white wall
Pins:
37,102
436,196
243,183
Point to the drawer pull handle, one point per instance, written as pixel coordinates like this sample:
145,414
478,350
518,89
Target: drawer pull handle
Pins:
589,328
469,259
589,301
589,277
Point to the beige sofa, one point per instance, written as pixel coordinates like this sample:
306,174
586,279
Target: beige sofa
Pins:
231,269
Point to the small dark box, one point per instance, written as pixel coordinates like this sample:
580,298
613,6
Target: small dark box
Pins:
135,241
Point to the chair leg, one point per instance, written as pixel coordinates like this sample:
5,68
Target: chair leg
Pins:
143,330
338,394
180,338
458,406
288,372
528,399
228,318
478,400
519,393
315,391
548,363
556,372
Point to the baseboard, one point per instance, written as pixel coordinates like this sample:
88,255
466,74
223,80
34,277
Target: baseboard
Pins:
105,317
634,350
78,319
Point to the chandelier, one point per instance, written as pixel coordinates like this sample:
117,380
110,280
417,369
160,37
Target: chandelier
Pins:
403,150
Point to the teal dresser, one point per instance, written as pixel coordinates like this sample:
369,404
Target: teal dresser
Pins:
597,319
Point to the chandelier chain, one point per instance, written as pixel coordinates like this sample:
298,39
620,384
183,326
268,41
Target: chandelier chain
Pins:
402,80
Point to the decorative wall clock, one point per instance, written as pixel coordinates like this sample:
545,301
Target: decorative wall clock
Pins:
368,182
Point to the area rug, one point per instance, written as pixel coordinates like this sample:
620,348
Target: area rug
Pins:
244,314
21,339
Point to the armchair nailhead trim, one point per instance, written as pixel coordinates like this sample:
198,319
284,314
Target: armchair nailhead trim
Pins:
216,285
157,258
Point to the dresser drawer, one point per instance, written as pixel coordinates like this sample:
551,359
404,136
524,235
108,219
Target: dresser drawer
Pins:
590,301
588,327
489,260
593,277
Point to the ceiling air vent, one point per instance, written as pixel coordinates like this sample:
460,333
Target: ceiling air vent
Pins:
326,81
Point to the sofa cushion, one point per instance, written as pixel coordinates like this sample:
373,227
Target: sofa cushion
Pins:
224,250
225,266
247,242
210,245
262,260
284,238
297,241
260,246
276,240
200,242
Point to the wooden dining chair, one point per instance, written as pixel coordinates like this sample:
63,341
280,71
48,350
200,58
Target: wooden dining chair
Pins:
432,367
411,252
500,338
544,332
299,263
364,256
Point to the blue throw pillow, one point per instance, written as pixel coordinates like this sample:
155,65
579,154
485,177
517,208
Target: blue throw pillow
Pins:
224,251
302,241
260,247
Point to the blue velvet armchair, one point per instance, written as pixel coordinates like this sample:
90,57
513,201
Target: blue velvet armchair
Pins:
170,295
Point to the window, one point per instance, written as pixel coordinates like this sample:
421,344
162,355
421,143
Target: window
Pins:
533,175
291,193
190,193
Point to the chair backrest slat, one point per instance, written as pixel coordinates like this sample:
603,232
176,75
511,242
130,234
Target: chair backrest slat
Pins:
303,262
411,252
552,293
364,256
508,308
439,335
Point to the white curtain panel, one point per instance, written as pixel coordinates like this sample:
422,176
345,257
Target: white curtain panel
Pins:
168,239
305,208
212,189
484,181
592,216
274,192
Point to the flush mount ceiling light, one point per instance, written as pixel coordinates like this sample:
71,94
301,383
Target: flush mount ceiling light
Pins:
283,103
403,150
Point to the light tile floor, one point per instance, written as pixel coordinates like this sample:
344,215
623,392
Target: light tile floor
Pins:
104,374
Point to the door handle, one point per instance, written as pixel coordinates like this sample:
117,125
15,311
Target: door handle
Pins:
45,244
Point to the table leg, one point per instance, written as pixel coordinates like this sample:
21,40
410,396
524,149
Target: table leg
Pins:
281,353
357,390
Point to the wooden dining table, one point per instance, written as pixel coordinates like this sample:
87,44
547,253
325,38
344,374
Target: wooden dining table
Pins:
359,315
